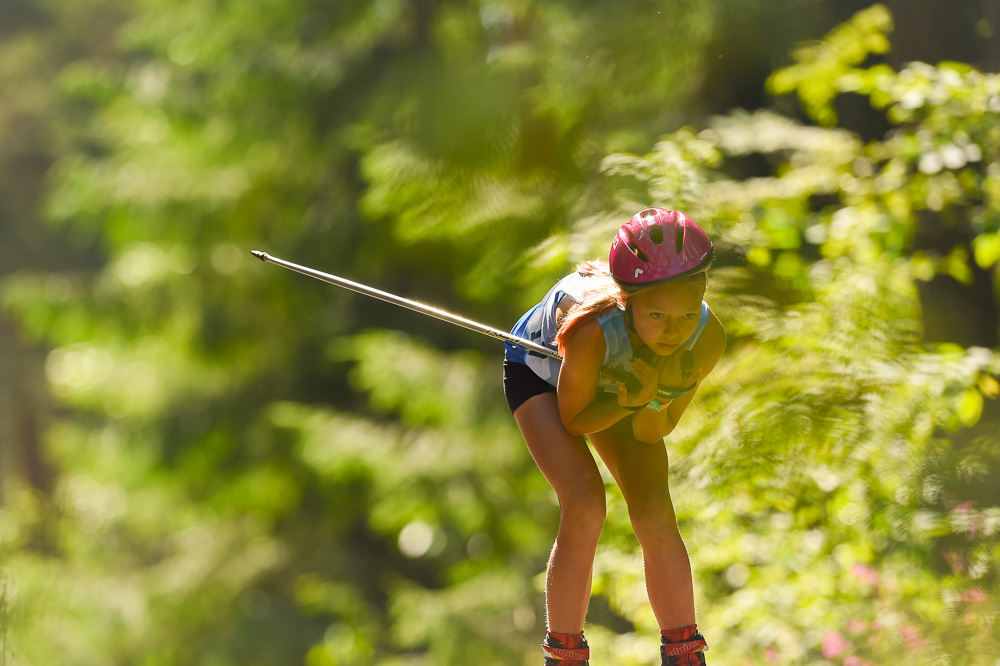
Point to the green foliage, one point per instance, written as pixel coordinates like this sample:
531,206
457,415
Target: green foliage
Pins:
255,468
813,464
821,68
834,477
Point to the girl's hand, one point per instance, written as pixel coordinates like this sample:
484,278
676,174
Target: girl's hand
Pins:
648,378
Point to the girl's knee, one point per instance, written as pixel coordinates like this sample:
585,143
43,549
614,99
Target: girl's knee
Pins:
654,524
584,506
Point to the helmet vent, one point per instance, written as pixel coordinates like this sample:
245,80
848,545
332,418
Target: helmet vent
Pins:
679,238
637,252
656,234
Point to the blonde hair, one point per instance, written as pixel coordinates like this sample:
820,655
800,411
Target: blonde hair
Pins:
603,294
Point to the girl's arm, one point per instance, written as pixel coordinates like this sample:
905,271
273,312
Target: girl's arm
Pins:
651,427
583,354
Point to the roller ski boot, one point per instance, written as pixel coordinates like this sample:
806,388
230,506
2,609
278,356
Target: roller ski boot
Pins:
682,647
565,650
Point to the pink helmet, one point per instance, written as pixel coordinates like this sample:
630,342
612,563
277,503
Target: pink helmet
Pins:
658,246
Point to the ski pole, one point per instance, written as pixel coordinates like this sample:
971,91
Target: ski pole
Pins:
422,308
616,374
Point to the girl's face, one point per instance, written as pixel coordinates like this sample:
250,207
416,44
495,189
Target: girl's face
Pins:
666,315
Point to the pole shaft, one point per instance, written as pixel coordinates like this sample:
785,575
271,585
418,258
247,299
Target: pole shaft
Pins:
616,374
422,308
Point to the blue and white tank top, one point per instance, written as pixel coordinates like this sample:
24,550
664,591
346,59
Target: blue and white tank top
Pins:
540,325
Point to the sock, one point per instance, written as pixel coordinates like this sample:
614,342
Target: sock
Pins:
679,635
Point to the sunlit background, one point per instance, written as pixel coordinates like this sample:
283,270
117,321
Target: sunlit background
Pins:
209,460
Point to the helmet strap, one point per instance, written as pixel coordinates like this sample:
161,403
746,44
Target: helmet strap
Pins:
644,352
637,351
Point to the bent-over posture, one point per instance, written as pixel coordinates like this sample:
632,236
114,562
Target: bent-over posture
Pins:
641,313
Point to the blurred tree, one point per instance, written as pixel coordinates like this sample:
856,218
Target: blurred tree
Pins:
37,44
246,474
847,419
191,479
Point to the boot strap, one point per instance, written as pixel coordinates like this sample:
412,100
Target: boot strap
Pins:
577,654
695,644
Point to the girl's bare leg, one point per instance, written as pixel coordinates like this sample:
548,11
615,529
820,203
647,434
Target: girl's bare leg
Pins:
641,472
568,465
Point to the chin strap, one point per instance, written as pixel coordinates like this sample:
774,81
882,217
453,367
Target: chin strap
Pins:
645,353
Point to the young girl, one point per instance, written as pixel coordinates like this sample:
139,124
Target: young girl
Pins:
641,313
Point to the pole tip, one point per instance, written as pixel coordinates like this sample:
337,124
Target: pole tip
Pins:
259,254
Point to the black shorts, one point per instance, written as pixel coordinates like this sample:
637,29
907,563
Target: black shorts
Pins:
520,384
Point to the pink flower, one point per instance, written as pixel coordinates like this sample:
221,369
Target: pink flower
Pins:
874,638
956,561
856,626
912,637
771,653
866,573
966,507
973,596
855,660
834,643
